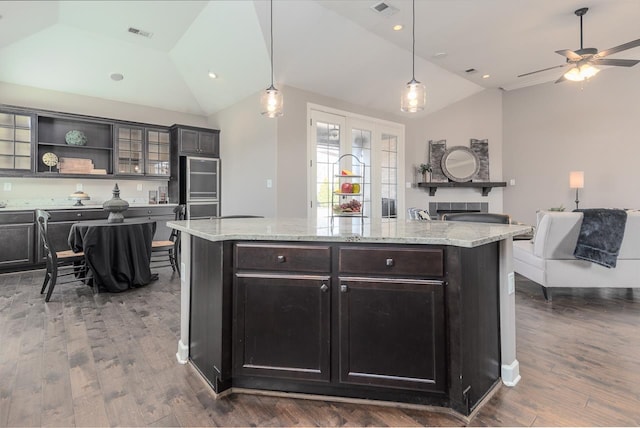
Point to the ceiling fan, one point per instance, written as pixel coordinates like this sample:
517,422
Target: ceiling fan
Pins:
582,61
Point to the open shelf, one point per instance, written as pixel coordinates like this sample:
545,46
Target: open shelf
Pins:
484,186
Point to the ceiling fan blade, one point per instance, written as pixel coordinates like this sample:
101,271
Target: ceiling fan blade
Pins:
616,62
539,71
561,79
569,54
620,48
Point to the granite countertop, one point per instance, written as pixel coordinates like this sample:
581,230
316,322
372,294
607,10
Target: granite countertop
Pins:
70,206
460,234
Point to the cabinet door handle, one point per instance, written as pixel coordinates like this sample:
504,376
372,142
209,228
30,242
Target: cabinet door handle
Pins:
282,259
389,262
344,288
78,214
324,287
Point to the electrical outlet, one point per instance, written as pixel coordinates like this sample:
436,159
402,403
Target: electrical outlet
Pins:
79,187
512,182
269,183
407,185
511,279
7,187
139,187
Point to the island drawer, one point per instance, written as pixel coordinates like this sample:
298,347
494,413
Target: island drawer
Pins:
293,258
397,261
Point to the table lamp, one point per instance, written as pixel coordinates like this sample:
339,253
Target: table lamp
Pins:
576,181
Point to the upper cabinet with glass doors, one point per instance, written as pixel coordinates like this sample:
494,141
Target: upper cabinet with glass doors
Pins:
142,151
16,134
130,150
158,147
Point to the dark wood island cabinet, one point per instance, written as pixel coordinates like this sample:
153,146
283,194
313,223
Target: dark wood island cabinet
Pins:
413,323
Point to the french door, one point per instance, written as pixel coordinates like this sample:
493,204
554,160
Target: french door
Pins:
378,144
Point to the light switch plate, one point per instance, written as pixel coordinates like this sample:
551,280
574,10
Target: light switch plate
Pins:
7,187
269,183
139,187
79,187
511,282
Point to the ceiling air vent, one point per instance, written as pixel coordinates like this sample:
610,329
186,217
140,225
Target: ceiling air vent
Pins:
139,32
384,9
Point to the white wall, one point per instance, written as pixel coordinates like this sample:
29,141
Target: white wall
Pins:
41,193
552,129
28,97
479,117
248,154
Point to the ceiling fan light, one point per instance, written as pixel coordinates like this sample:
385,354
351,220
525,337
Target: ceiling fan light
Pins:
414,97
272,102
579,74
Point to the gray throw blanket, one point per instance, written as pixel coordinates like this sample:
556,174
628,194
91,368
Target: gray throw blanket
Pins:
601,236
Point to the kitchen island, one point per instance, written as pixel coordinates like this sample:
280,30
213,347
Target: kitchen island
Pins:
412,312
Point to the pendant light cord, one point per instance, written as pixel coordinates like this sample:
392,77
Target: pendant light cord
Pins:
271,25
413,46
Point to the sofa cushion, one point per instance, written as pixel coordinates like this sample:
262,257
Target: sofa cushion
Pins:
557,234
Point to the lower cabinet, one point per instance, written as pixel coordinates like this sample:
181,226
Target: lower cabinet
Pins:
282,326
375,318
17,235
392,333
407,323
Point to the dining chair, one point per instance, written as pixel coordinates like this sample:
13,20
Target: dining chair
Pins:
64,265
418,214
167,253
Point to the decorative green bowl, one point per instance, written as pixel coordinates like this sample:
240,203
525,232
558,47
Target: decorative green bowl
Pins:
75,138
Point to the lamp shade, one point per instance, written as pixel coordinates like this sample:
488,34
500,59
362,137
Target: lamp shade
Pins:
576,179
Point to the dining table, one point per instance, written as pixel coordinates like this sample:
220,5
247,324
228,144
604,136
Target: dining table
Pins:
118,255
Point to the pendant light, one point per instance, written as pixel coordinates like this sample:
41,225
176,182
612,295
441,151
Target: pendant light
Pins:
414,95
271,100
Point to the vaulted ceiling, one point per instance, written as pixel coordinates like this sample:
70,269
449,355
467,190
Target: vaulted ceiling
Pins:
338,48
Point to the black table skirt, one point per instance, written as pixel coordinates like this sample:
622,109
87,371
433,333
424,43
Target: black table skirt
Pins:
118,254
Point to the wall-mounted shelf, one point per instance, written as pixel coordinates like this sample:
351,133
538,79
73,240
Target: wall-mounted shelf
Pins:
485,186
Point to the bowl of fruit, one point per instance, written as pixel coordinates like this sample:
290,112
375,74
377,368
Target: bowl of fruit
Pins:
352,207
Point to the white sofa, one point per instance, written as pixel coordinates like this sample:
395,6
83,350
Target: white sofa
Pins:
549,261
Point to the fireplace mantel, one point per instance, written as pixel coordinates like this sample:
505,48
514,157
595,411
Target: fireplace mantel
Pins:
486,186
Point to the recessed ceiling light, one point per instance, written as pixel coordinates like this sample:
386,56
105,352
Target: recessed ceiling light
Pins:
397,27
213,75
116,77
486,76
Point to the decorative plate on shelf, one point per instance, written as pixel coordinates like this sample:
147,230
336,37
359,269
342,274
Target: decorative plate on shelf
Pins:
75,138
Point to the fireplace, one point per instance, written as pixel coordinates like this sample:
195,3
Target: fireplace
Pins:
438,209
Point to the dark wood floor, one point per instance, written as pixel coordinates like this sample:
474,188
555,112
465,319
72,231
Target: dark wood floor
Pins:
109,359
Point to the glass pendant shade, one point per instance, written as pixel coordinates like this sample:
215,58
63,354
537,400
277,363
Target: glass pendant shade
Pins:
414,97
578,74
272,102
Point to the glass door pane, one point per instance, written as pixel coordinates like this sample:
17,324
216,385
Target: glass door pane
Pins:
361,142
325,145
389,175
